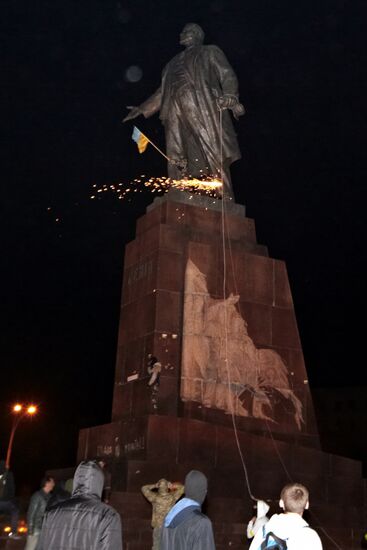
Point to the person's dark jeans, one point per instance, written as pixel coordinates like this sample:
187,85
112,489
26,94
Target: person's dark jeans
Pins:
9,507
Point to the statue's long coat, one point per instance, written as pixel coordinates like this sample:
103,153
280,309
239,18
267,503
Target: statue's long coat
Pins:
210,76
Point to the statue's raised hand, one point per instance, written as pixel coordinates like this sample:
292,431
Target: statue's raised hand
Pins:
134,112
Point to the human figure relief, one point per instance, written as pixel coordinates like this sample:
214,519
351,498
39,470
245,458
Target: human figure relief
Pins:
250,380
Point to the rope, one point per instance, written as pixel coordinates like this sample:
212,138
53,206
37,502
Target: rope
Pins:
224,228
225,315
239,306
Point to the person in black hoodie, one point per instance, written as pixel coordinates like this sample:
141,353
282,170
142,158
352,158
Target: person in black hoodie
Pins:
185,527
82,521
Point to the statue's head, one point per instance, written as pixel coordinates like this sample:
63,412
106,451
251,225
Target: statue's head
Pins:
191,35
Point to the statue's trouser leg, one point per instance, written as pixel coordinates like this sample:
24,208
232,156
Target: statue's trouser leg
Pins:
156,538
184,138
197,139
174,145
207,139
188,138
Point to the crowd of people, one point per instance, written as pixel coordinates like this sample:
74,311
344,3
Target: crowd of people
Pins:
77,514
74,514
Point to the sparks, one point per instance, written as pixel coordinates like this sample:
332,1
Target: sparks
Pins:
209,186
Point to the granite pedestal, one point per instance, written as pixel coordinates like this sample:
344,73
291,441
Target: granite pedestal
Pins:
201,295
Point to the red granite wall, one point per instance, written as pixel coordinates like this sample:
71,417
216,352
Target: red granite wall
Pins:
153,300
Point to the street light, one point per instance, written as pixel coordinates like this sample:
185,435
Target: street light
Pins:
20,411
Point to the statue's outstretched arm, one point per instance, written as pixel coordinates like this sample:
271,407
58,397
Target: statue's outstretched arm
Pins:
152,104
148,108
134,112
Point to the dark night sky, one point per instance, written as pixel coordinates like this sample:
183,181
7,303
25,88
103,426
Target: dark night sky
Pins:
301,69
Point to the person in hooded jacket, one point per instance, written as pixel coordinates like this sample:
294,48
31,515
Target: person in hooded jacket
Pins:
82,521
185,527
259,520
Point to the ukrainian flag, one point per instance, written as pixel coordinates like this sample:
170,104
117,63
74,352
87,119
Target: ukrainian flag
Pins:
140,139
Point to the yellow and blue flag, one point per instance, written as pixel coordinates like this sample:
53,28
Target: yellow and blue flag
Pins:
140,139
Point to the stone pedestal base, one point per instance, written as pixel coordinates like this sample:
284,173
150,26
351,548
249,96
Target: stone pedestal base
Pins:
221,321
153,447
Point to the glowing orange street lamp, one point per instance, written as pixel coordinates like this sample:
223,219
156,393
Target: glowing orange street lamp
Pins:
20,411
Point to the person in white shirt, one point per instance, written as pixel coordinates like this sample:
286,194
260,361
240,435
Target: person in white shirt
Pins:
290,525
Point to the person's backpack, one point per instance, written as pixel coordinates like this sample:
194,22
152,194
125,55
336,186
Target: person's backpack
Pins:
272,542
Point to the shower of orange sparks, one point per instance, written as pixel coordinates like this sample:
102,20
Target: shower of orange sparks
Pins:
208,186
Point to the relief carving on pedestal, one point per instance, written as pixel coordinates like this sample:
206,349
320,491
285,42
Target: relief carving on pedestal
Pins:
256,379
